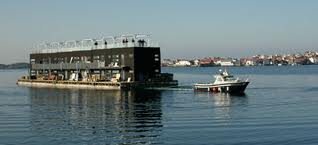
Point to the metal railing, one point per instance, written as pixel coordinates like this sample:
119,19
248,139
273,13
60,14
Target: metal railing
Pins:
123,41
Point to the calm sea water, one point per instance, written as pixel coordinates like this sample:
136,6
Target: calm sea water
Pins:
280,107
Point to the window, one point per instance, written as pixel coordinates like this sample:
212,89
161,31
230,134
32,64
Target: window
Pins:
32,61
131,55
156,55
60,60
230,78
156,59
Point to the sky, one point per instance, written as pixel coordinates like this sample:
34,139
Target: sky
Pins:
183,28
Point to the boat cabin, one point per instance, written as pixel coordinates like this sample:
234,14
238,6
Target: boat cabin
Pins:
224,77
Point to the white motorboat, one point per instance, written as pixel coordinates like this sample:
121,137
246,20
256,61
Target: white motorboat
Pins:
224,82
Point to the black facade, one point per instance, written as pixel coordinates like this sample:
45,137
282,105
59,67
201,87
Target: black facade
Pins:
136,63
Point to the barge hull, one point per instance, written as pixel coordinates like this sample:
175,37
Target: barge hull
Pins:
92,85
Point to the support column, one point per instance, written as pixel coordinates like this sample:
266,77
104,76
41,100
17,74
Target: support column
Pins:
66,75
100,74
123,75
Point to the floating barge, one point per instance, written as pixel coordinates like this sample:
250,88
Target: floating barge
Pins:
109,63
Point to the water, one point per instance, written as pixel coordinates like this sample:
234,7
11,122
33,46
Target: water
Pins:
279,107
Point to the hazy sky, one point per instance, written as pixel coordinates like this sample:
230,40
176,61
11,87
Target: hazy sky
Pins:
183,28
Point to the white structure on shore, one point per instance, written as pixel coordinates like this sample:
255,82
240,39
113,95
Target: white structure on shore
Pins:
226,63
313,60
183,63
232,62
249,63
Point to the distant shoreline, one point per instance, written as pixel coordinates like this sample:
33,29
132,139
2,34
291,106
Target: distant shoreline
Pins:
19,65
191,66
23,65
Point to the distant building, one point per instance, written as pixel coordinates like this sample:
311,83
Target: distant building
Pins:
236,62
249,62
206,62
300,60
226,63
308,57
313,60
195,62
183,63
167,62
267,62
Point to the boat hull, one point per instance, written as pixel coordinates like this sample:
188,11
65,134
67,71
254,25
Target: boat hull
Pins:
226,87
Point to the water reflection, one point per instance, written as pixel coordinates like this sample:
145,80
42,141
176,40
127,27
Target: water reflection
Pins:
96,116
225,105
226,99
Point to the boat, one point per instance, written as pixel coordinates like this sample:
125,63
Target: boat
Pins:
224,82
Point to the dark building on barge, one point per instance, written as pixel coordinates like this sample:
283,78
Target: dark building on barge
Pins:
127,61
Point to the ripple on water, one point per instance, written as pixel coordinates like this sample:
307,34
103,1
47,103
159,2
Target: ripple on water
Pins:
269,113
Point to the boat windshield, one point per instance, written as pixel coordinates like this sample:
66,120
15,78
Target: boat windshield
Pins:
229,78
219,79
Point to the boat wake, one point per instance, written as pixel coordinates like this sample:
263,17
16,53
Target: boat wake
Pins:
177,88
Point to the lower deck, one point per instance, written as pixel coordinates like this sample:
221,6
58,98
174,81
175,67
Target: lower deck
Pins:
93,85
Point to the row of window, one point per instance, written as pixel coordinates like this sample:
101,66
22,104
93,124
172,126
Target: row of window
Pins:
82,58
157,57
114,58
